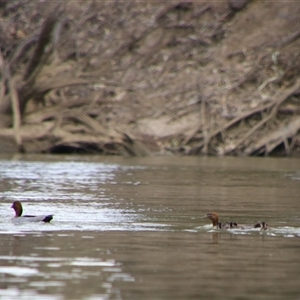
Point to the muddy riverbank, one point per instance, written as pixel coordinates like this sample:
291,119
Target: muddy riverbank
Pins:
140,78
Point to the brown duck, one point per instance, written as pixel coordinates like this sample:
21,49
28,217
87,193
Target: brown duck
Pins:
214,217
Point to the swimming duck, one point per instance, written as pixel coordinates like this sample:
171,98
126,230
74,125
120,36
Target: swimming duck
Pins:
261,225
17,206
214,217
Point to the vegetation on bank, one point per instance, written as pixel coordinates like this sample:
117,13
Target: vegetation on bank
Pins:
140,78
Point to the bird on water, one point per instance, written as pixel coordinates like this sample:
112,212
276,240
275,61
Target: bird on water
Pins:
214,217
17,206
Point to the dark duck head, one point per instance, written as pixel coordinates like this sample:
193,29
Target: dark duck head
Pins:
17,206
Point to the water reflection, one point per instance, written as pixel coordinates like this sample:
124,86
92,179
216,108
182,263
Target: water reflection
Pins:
38,180
49,269
132,228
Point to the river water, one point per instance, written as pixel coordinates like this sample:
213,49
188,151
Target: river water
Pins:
131,228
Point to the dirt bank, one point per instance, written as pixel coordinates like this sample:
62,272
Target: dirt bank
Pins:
138,78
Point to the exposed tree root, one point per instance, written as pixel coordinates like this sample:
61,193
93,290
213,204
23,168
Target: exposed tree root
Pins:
281,135
130,79
271,108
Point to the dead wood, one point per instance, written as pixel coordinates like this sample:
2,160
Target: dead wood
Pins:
198,12
204,127
115,78
29,132
3,77
59,82
38,60
23,89
41,52
281,135
6,76
180,5
20,53
288,39
16,112
54,111
272,107
93,125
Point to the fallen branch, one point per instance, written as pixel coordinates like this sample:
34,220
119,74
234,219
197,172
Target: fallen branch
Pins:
60,82
6,75
288,39
16,112
204,126
53,111
20,53
271,141
39,54
272,105
29,132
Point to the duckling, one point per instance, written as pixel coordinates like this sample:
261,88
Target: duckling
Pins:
214,217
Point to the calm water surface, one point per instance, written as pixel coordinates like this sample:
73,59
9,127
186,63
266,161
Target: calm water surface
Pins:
131,228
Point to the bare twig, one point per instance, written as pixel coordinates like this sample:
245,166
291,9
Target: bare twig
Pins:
274,105
204,126
288,39
275,138
16,112
278,101
20,53
3,78
44,40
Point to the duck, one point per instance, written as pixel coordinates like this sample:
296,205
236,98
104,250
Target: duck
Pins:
17,206
262,226
214,217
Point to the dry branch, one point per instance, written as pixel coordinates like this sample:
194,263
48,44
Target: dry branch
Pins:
23,90
2,83
60,82
275,106
54,111
39,54
288,39
29,132
279,99
91,123
109,75
275,138
204,127
16,112
20,53
6,76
